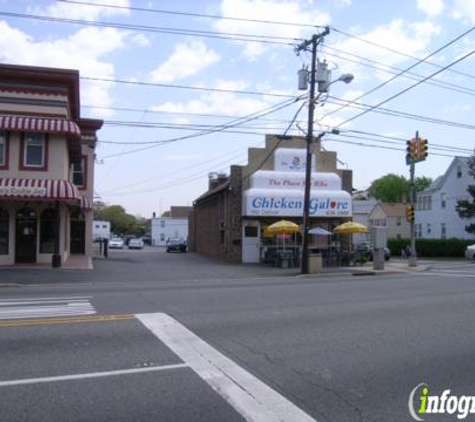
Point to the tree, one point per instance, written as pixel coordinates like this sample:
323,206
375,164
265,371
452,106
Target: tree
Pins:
166,214
390,188
394,188
466,207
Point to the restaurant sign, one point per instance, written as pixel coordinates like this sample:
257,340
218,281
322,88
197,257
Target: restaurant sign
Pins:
22,191
289,203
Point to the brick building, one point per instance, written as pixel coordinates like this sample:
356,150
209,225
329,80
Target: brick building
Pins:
229,221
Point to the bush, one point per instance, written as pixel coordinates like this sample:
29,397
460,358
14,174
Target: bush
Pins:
431,248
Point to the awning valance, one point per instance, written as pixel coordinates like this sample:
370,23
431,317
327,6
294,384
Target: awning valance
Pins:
39,124
85,203
39,190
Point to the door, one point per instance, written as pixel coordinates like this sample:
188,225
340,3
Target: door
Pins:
78,233
26,235
251,243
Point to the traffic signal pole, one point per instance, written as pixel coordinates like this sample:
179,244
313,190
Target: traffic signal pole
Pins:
413,200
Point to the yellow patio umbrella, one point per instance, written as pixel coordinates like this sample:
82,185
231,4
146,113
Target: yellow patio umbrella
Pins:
350,227
283,227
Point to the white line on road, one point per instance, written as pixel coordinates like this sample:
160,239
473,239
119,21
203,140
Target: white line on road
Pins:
91,375
252,398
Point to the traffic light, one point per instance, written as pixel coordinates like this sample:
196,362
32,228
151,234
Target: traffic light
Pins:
410,215
422,150
411,151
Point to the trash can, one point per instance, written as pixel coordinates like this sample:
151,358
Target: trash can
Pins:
315,263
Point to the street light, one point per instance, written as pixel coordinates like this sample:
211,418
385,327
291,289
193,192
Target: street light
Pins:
322,88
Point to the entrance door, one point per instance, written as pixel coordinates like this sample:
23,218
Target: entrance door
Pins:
251,242
78,233
26,226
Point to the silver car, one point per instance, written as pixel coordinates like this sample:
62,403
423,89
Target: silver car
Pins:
116,243
470,252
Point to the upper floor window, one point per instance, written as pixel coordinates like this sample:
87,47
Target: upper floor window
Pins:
79,173
3,150
162,223
398,221
443,230
442,200
459,172
34,151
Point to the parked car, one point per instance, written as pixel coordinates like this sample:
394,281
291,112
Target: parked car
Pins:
470,252
135,244
116,243
176,244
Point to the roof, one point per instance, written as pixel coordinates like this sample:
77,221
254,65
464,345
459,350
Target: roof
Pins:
439,181
212,192
180,212
393,210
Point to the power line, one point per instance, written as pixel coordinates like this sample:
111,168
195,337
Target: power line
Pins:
408,88
266,39
402,72
199,15
392,50
250,117
190,87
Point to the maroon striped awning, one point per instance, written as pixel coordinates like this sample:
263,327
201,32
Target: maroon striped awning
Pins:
39,124
39,190
85,203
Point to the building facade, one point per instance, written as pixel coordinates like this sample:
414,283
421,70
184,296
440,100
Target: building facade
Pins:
391,217
46,167
436,215
175,226
230,220
101,229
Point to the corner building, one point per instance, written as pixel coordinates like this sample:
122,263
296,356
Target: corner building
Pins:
229,221
46,167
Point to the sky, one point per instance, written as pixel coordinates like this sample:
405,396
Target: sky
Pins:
186,87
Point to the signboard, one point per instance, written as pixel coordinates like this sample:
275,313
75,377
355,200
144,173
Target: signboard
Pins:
289,203
291,160
279,180
22,191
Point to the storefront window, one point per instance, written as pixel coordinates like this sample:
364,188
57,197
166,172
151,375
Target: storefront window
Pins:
4,230
47,230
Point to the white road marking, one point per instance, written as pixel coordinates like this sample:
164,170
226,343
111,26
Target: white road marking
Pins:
45,307
252,398
90,375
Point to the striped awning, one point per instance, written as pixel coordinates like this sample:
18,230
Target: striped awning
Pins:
85,203
39,190
39,124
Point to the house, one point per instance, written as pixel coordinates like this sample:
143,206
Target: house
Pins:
101,229
436,215
46,167
392,217
229,221
175,226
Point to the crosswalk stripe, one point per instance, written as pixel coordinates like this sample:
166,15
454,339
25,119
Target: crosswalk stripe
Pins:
44,308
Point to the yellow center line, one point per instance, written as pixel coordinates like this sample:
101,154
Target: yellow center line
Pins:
69,320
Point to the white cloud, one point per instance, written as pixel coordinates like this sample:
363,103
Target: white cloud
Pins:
82,50
187,60
464,9
86,12
218,102
270,10
141,40
431,7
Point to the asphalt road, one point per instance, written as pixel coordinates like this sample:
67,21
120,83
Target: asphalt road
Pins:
332,348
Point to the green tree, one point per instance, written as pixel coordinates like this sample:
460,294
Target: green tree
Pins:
390,188
394,188
466,207
166,214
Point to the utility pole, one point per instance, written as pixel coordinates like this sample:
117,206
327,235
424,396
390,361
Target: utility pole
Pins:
413,195
313,42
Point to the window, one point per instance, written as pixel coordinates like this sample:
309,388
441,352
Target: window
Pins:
429,228
34,153
442,200
418,229
96,226
162,237
459,172
443,230
47,230
162,223
79,173
251,231
3,150
104,226
398,221
4,230
429,202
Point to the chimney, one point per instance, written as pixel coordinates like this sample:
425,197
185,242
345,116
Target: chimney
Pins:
216,179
